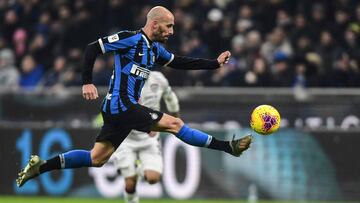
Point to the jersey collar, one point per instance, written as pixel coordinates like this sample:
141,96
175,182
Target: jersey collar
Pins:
146,38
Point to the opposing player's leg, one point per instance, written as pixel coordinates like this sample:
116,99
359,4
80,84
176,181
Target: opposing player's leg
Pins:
124,160
151,162
198,138
130,194
152,176
100,153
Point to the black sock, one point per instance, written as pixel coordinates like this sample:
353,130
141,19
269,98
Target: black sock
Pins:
51,164
220,145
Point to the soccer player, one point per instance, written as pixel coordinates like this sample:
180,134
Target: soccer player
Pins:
135,54
143,146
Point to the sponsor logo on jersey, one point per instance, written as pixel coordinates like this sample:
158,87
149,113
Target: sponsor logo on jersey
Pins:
139,71
113,38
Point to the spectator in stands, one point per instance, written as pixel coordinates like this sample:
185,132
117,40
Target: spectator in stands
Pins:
345,72
19,42
31,73
252,29
283,20
281,70
9,74
340,24
54,76
301,28
253,43
276,42
319,22
328,51
351,44
10,24
39,49
259,74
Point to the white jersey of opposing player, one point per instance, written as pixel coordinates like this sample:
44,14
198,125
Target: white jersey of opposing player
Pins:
156,88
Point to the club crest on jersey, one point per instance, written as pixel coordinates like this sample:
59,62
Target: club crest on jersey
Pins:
140,71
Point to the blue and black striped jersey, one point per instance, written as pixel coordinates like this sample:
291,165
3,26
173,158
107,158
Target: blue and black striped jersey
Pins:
135,56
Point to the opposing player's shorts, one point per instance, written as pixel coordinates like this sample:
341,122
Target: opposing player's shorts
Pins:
128,153
116,127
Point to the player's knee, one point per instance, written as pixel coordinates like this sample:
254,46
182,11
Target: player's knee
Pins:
101,153
98,160
152,177
153,180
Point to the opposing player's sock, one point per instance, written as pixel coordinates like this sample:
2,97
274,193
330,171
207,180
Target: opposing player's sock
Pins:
194,137
131,197
71,159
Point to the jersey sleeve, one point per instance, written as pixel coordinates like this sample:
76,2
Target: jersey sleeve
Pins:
164,83
169,97
118,41
171,100
164,57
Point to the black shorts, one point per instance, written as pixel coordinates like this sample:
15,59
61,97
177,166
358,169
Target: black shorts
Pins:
117,126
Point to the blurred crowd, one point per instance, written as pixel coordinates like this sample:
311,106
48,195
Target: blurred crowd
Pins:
274,43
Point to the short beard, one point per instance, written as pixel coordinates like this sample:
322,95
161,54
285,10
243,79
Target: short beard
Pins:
158,36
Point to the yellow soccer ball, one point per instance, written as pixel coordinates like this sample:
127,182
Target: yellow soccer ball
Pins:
265,119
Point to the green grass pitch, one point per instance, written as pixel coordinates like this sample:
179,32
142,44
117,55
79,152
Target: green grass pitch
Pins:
12,199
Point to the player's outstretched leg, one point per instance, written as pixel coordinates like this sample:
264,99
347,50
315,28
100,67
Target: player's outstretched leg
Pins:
72,159
198,138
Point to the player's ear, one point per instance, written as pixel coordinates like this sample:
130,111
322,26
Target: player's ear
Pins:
155,25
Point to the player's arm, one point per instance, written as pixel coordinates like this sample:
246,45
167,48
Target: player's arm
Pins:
189,63
166,58
119,41
89,90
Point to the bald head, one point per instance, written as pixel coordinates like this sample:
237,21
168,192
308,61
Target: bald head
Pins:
159,24
158,13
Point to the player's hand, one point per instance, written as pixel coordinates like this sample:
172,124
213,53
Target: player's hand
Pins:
224,58
89,92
